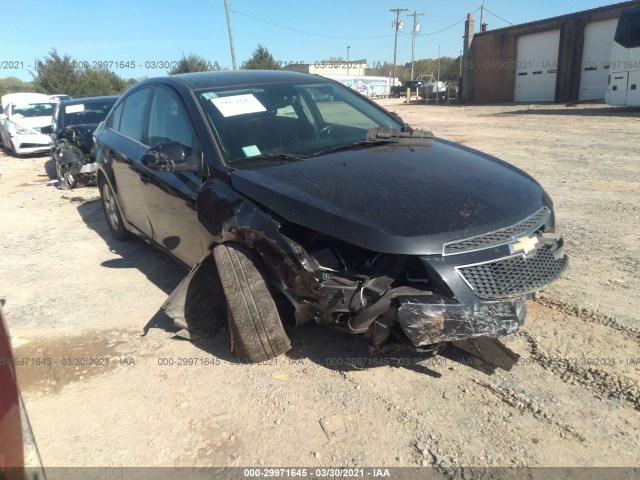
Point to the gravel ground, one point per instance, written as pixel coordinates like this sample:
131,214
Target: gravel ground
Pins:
123,389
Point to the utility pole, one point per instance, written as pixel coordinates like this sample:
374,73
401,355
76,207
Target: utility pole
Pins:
438,64
416,29
481,15
348,47
233,49
397,26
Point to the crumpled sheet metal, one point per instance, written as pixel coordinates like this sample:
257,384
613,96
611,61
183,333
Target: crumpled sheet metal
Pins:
427,320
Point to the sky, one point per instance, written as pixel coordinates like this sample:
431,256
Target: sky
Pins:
137,38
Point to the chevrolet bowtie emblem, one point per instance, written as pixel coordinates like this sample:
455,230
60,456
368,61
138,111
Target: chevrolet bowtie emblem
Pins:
524,244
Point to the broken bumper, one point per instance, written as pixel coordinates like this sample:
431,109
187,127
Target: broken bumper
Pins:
429,319
88,168
26,144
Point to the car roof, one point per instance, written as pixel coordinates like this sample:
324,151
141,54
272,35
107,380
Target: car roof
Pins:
79,101
200,80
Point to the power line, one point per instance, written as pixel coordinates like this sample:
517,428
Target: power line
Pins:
308,33
506,21
444,29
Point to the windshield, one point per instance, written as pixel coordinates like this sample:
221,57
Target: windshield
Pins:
628,30
288,121
34,110
86,113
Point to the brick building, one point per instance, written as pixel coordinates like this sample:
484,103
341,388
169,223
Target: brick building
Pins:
560,59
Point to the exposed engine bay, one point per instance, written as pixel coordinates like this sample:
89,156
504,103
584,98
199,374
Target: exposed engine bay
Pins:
72,154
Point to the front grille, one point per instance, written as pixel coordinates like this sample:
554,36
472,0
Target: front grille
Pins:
514,275
498,237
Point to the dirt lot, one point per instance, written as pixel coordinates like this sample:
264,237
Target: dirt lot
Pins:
122,389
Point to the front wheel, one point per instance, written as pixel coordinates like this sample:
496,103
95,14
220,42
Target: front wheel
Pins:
112,212
256,329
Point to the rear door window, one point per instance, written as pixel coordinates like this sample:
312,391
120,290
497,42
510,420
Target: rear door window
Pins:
113,122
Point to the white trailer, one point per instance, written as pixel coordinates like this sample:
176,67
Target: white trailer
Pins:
623,87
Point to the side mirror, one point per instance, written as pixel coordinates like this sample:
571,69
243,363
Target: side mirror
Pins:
47,130
168,157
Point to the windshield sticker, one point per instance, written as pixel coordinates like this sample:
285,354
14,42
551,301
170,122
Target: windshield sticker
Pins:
251,151
238,105
209,95
74,108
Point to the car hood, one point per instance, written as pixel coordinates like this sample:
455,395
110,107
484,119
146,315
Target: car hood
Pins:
30,122
396,198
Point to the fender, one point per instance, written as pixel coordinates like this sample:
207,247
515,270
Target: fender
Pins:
197,303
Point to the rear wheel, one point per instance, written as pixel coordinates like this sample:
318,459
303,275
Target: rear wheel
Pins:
112,212
256,329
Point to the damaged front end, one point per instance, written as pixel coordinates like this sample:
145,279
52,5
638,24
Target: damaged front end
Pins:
474,289
72,154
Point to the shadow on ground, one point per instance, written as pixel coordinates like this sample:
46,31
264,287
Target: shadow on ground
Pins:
598,110
50,169
582,112
161,270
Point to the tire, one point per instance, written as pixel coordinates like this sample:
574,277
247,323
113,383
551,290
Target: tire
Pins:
66,181
112,212
256,329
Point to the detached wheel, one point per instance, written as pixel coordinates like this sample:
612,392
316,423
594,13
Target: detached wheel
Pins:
256,329
66,180
112,212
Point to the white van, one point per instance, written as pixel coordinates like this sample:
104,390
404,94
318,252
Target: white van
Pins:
624,69
23,116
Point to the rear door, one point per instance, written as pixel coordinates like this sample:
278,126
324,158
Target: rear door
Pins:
123,147
170,197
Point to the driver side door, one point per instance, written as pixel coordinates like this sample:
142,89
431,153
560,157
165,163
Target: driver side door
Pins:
170,197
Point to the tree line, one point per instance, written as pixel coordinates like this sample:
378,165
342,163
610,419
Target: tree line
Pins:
57,74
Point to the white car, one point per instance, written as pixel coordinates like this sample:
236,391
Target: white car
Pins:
23,116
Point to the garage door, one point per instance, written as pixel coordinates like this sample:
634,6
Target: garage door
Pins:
596,52
537,67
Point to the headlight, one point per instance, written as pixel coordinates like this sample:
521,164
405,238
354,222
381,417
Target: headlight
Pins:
24,131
